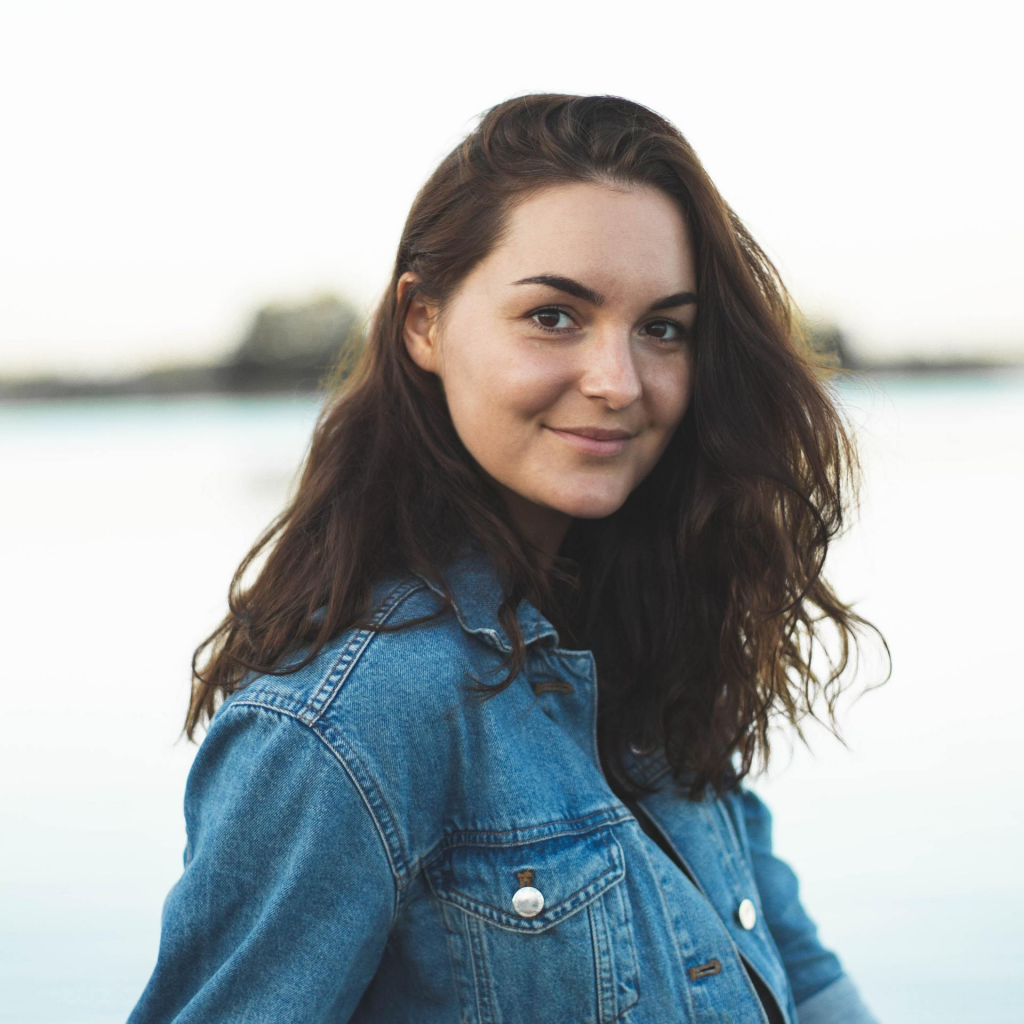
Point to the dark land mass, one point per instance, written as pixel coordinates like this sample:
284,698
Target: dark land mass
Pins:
294,349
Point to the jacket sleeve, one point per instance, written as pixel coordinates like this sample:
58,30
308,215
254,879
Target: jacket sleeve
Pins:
287,895
822,991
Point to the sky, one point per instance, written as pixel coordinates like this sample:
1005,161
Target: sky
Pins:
168,168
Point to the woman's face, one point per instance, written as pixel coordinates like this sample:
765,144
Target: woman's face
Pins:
604,344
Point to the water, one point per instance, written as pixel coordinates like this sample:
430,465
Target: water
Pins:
123,521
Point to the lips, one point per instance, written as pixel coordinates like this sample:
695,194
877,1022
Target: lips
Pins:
594,445
597,433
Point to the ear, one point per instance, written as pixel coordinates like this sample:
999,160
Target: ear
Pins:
420,329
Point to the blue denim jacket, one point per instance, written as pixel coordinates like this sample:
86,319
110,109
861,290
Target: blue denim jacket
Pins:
363,847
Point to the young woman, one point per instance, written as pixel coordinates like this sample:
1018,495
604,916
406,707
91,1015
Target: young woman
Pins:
478,729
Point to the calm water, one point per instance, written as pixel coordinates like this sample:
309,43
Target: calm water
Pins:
122,523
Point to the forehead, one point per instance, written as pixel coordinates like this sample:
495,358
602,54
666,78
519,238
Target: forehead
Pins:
613,238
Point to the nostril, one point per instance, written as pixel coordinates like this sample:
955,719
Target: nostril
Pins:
556,685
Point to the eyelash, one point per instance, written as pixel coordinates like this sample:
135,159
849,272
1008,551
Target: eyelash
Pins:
684,332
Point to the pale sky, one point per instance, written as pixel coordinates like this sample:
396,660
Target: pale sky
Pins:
168,167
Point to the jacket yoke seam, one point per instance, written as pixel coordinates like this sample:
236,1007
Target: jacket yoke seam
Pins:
335,678
490,839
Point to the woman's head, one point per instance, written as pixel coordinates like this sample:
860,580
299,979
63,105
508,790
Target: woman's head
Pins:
580,317
697,548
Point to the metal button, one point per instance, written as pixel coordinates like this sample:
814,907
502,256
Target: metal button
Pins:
747,914
527,901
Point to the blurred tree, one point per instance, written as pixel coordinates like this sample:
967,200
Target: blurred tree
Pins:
292,345
830,346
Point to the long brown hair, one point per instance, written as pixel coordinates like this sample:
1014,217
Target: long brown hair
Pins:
700,596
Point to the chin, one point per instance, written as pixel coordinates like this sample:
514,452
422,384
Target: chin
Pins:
590,507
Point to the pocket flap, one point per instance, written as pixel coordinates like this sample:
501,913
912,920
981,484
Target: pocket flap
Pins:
569,870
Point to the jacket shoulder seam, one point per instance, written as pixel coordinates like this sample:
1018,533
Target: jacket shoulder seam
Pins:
380,815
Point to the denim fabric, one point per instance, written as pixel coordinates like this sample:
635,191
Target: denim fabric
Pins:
356,838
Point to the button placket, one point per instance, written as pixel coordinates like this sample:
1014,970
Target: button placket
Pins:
746,910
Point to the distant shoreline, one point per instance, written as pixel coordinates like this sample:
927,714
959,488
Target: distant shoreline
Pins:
292,349
226,381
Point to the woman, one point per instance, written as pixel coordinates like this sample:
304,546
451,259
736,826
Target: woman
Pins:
487,707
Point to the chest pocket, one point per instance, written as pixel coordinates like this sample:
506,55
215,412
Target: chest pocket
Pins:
573,960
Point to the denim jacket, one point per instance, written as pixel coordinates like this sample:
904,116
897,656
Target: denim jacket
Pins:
362,846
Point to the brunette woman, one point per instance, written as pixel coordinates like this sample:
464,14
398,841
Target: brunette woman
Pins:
479,728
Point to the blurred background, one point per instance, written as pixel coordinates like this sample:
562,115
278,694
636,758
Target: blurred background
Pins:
199,205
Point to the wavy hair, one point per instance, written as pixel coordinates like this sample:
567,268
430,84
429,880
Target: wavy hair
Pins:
701,597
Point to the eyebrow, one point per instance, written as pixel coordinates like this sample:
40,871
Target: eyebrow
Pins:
581,291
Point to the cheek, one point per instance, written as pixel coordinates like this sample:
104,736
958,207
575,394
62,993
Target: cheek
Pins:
529,390
497,388
669,393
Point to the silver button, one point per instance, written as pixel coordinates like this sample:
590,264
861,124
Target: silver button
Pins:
527,901
747,914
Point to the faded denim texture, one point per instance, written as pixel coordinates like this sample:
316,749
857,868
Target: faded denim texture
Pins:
355,837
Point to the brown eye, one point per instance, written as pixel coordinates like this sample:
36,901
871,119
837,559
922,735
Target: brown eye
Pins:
549,313
682,333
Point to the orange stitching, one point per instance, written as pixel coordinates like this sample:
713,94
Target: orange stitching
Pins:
559,685
525,877
705,970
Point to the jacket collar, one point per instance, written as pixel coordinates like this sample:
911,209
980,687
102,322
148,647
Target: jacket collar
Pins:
477,592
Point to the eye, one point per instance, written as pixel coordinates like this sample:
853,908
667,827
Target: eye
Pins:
682,333
555,313
549,312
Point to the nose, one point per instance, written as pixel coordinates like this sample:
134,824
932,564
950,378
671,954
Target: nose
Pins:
609,368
